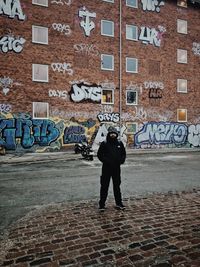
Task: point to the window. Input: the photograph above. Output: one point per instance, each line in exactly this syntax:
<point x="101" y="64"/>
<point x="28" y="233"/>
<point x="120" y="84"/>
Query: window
<point x="131" y="127"/>
<point x="131" y="65"/>
<point x="182" y="86"/>
<point x="107" y="62"/>
<point x="182" y="3"/>
<point x="40" y="2"/>
<point x="39" y="35"/>
<point x="181" y="56"/>
<point x="107" y="96"/>
<point x="40" y="110"/>
<point x="107" y="28"/>
<point x="131" y="32"/>
<point x="181" y="115"/>
<point x="131" y="97"/>
<point x="111" y="1"/>
<point x="40" y="73"/>
<point x="182" y="26"/>
<point x="132" y="3"/>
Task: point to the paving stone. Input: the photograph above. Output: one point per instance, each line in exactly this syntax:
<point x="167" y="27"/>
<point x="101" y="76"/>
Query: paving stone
<point x="158" y="224"/>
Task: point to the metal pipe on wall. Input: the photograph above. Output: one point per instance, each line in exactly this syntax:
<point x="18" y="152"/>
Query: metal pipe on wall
<point x="120" y="65"/>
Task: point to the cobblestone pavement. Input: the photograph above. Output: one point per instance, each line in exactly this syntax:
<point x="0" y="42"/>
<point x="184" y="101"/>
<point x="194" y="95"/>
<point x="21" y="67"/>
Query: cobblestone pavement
<point x="159" y="230"/>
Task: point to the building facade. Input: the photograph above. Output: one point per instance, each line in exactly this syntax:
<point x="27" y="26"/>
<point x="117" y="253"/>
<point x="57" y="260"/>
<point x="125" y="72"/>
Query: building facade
<point x="70" y="69"/>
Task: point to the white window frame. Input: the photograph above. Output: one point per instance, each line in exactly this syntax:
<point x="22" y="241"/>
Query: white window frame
<point x="102" y="55"/>
<point x="136" y="102"/>
<point x="33" y="35"/>
<point x="179" y="22"/>
<point x="110" y="1"/>
<point x="34" y="111"/>
<point x="33" y="73"/>
<point x="136" y="6"/>
<point x="131" y="58"/>
<point x="107" y="103"/>
<point x="34" y="2"/>
<point x="178" y="114"/>
<point x="131" y="123"/>
<point x="105" y="34"/>
<point x="179" y="81"/>
<point x="178" y="56"/>
<point x="132" y="26"/>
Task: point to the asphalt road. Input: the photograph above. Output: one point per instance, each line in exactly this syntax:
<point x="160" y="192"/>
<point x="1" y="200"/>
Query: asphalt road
<point x="27" y="186"/>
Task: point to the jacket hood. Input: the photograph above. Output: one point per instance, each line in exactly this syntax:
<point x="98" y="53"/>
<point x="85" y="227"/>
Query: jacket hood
<point x="111" y="129"/>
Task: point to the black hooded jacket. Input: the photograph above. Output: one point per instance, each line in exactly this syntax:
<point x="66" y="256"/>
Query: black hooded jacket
<point x="111" y="152"/>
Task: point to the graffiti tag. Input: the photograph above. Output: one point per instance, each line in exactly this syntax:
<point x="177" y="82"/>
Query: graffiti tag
<point x="80" y="92"/>
<point x="29" y="131"/>
<point x="11" y="8"/>
<point x="151" y="35"/>
<point x="152" y="5"/>
<point x="63" y="28"/>
<point x="194" y="135"/>
<point x="161" y="133"/>
<point x="88" y="49"/>
<point x="5" y="108"/>
<point x="62" y="2"/>
<point x="109" y="117"/>
<point x="62" y="67"/>
<point x="156" y="85"/>
<point x="58" y="93"/>
<point x="9" y="43"/>
<point x="74" y="134"/>
<point x="86" y="24"/>
<point x="196" y="48"/>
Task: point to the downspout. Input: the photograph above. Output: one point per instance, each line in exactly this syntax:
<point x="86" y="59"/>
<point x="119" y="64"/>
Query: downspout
<point x="120" y="65"/>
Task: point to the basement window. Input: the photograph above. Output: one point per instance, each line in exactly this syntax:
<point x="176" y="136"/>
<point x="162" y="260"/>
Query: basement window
<point x="40" y="73"/>
<point x="182" y="115"/>
<point x="182" y="56"/>
<point x="182" y="26"/>
<point x="40" y="110"/>
<point x="181" y="86"/>
<point x="39" y="35"/>
<point x="132" y="3"/>
<point x="107" y="96"/>
<point x="40" y="2"/>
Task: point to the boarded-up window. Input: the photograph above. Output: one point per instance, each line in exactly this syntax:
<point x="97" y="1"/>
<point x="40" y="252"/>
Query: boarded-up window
<point x="40" y="73"/>
<point x="39" y="34"/>
<point x="40" y="110"/>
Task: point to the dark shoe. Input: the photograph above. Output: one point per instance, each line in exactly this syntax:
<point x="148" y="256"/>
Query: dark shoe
<point x="120" y="207"/>
<point x="102" y="208"/>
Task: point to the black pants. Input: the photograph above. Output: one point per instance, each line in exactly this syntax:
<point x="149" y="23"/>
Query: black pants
<point x="107" y="173"/>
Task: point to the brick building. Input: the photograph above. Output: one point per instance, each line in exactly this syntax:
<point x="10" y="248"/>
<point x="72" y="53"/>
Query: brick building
<point x="69" y="69"/>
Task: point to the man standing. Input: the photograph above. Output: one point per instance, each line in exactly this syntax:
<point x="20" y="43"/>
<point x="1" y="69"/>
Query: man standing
<point x="112" y="154"/>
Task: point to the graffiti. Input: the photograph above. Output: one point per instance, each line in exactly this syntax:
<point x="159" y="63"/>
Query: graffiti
<point x="5" y="108"/>
<point x="9" y="43"/>
<point x="62" y="2"/>
<point x="152" y="5"/>
<point x="74" y="134"/>
<point x="140" y="115"/>
<point x="135" y="87"/>
<point x="106" y="108"/>
<point x="73" y="114"/>
<point x="29" y="131"/>
<point x="154" y="115"/>
<point x="86" y="24"/>
<point x="196" y="48"/>
<point x="11" y="8"/>
<point x="88" y="49"/>
<point x="63" y="28"/>
<point x="58" y="93"/>
<point x="155" y="85"/>
<point x="109" y="117"/>
<point x="80" y="92"/>
<point x="161" y="133"/>
<point x="155" y="93"/>
<point x="151" y="35"/>
<point x="194" y="135"/>
<point x="62" y="67"/>
<point x="88" y="124"/>
<point x="107" y="85"/>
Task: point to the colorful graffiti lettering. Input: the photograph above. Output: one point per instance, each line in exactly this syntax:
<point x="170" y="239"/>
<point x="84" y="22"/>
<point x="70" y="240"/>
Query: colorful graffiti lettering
<point x="161" y="133"/>
<point x="11" y="8"/>
<point x="74" y="134"/>
<point x="29" y="131"/>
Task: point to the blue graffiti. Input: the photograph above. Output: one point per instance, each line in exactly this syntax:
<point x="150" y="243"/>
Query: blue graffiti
<point x="161" y="133"/>
<point x="28" y="131"/>
<point x="74" y="134"/>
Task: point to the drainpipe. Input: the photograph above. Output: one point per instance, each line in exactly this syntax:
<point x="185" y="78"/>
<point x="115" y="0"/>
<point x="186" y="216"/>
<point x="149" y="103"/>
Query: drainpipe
<point x="120" y="65"/>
